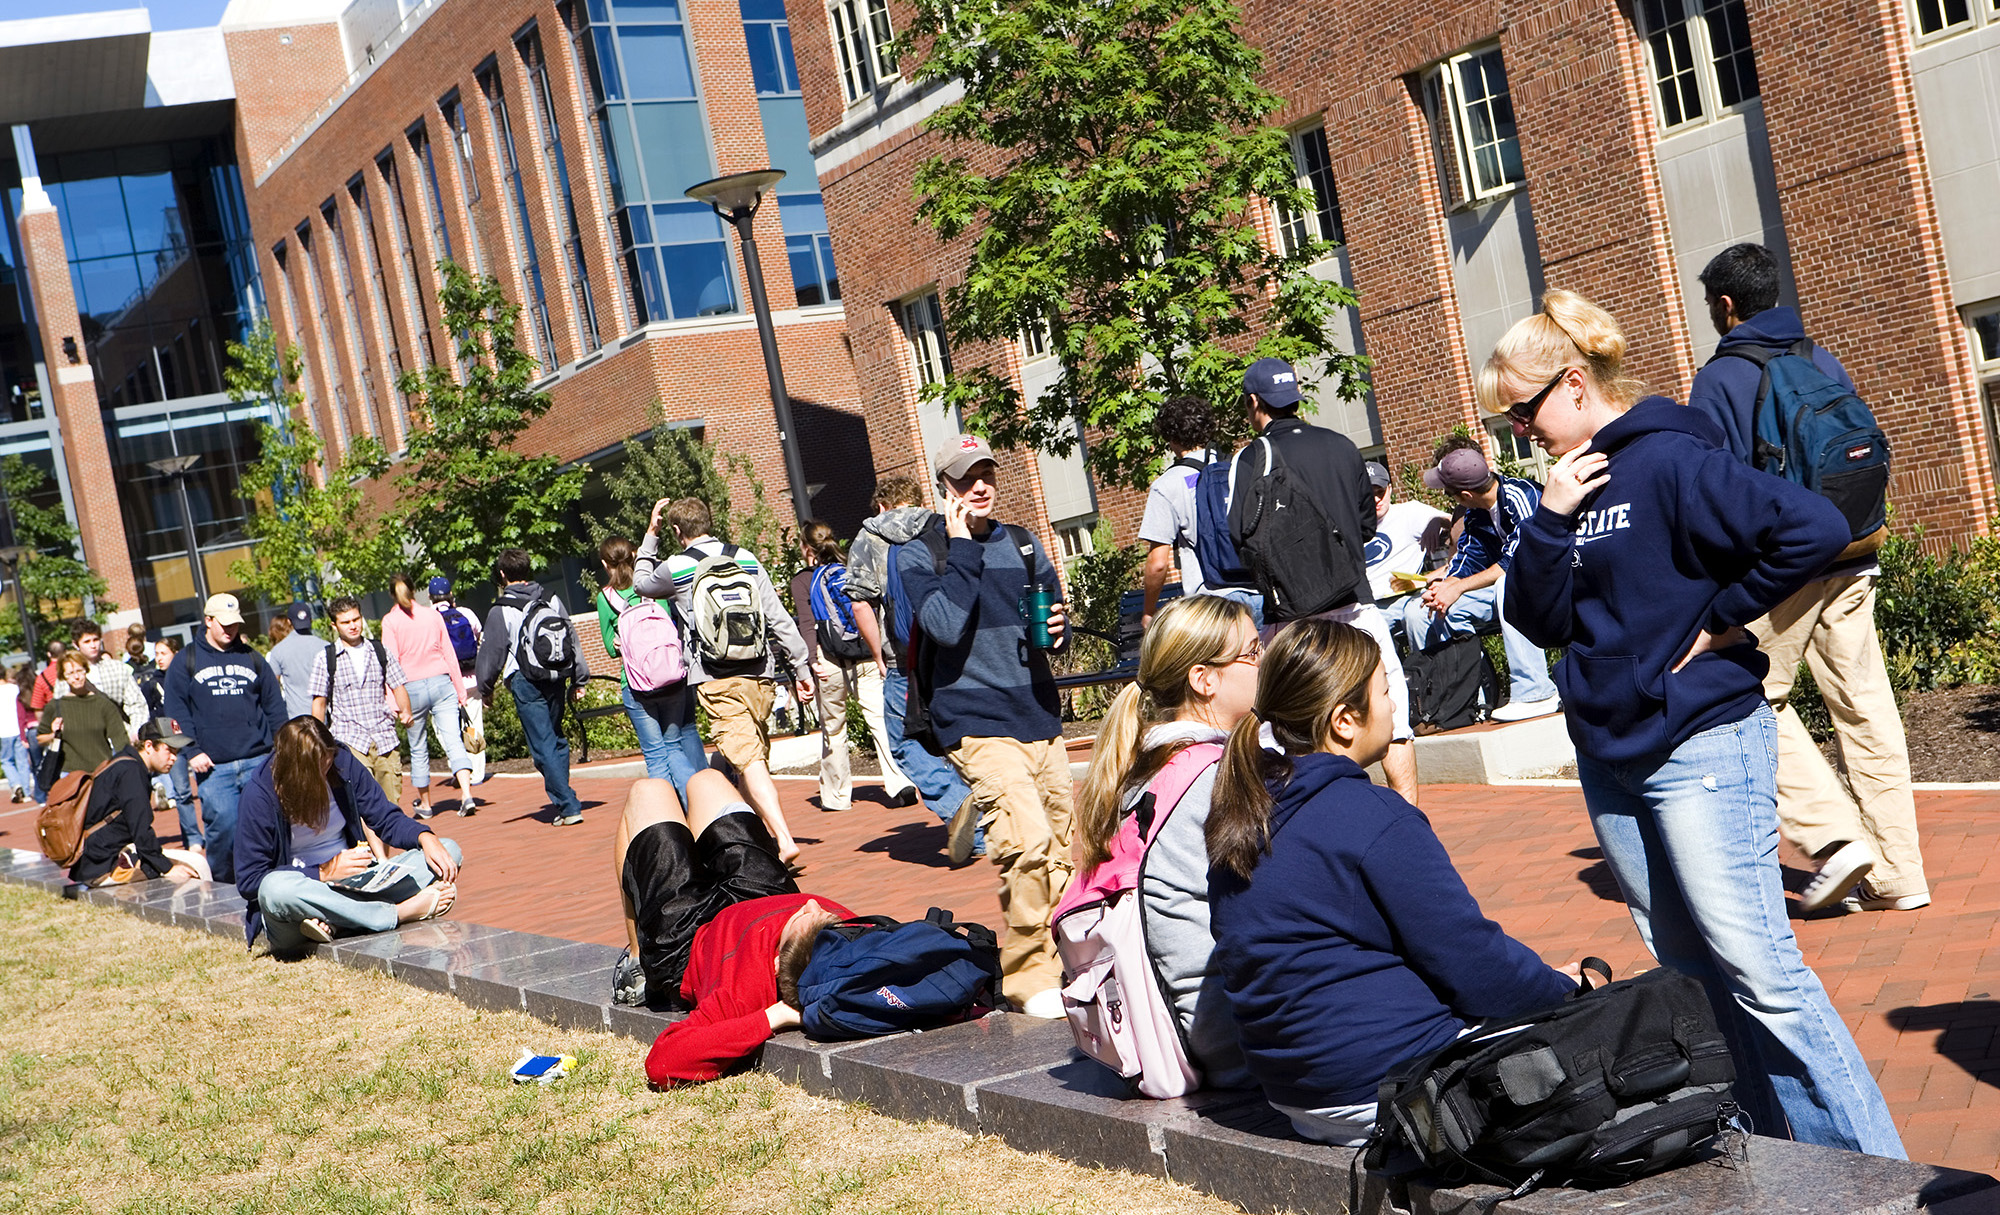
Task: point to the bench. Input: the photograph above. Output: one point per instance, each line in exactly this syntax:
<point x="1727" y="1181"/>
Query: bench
<point x="584" y="716"/>
<point x="1124" y="646"/>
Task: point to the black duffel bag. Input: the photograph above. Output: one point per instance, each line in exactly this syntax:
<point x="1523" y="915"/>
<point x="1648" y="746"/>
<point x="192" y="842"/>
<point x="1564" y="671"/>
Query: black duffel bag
<point x="1619" y="1081"/>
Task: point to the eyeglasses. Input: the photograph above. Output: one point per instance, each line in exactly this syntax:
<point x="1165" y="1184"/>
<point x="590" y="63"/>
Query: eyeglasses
<point x="1250" y="654"/>
<point x="1523" y="412"/>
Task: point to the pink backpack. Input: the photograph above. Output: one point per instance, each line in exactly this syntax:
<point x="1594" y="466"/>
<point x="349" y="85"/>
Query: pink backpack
<point x="1117" y="1010"/>
<point x="649" y="644"/>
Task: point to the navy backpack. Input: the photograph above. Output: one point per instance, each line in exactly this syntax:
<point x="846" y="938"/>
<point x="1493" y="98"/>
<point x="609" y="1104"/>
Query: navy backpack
<point x="1221" y="566"/>
<point x="871" y="976"/>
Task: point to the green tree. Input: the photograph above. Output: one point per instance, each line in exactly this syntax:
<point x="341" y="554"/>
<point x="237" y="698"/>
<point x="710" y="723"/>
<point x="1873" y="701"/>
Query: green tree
<point x="307" y="539"/>
<point x="1107" y="159"/>
<point x="464" y="493"/>
<point x="51" y="579"/>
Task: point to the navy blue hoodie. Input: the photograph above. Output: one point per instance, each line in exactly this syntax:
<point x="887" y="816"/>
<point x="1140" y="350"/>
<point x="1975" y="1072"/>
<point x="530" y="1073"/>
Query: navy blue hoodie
<point x="1725" y="390"/>
<point x="228" y="701"/>
<point x="1355" y="943"/>
<point x="1682" y="537"/>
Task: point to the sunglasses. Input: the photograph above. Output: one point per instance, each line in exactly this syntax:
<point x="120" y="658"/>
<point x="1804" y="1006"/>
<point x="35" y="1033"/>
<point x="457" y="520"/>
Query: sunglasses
<point x="1523" y="412"/>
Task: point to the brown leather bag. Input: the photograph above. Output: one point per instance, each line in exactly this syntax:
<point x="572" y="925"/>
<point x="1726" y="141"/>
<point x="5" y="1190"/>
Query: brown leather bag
<point x="60" y="825"/>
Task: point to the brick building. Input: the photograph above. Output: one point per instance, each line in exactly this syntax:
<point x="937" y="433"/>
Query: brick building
<point x="1474" y="158"/>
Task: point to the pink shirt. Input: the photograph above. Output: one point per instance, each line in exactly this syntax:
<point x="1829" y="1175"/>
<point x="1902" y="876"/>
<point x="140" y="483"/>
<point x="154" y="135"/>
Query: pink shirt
<point x="418" y="641"/>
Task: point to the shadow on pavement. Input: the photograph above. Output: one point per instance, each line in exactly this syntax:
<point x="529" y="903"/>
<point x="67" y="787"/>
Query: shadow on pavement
<point x="1966" y="1033"/>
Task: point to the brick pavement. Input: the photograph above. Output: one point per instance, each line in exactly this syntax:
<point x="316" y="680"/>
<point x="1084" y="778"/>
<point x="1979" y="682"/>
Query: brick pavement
<point x="1917" y="988"/>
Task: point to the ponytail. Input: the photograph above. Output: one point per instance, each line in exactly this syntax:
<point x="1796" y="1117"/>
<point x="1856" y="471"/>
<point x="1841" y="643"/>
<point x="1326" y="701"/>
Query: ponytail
<point x="1239" y="812"/>
<point x="1100" y="802"/>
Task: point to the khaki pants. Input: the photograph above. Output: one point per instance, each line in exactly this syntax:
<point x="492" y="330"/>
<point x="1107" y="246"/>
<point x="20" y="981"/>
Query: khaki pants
<point x="1831" y="624"/>
<point x="739" y="717"/>
<point x="834" y="683"/>
<point x="1021" y="791"/>
<point x="387" y="769"/>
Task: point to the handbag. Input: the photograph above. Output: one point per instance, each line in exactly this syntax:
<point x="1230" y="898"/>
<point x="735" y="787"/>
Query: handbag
<point x="51" y="768"/>
<point x="475" y="742"/>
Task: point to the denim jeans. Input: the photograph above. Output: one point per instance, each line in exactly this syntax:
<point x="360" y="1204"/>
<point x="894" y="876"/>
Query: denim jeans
<point x="1692" y="838"/>
<point x="14" y="758"/>
<point x="173" y="787"/>
<point x="1243" y="595"/>
<point x="540" y="710"/>
<point x="288" y="896"/>
<point x="1527" y="666"/>
<point x="221" y="788"/>
<point x="668" y="737"/>
<point x="942" y="787"/>
<point x="434" y="700"/>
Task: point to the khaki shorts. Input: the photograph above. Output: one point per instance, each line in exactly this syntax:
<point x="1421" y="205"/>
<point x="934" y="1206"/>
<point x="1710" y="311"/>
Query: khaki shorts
<point x="386" y="769"/>
<point x="739" y="717"/>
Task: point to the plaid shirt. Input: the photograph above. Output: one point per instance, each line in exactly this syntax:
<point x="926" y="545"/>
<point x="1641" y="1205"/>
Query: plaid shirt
<point x="359" y="710"/>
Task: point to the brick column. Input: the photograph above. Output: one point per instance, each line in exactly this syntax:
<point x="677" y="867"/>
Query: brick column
<point x="93" y="485"/>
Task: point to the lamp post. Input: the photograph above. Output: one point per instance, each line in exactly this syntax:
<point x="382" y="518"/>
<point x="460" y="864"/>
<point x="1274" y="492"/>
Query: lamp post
<point x="177" y="467"/>
<point x="736" y="198"/>
<point x="11" y="557"/>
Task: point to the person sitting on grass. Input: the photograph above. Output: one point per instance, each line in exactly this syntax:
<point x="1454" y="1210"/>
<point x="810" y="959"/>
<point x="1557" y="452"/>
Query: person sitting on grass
<point x="713" y="922"/>
<point x="313" y="816"/>
<point x="123" y="848"/>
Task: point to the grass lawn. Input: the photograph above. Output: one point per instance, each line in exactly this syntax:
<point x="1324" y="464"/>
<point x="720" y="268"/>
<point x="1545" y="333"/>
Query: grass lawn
<point x="151" y="1069"/>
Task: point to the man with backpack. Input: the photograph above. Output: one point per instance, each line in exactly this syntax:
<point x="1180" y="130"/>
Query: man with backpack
<point x="732" y="613"/>
<point x="1186" y="425"/>
<point x="461" y="626"/>
<point x="113" y="815"/>
<point x="529" y="642"/>
<point x="222" y="693"/>
<point x="1764" y="373"/>
<point x="354" y="679"/>
<point x="1301" y="511"/>
<point x="843" y="666"/>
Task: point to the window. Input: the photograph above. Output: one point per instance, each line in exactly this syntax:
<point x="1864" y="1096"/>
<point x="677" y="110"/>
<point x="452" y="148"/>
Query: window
<point x="1473" y="121"/>
<point x="1035" y="342"/>
<point x="809" y="248"/>
<point x="379" y="295"/>
<point x="1076" y="541"/>
<point x="468" y="177"/>
<point x="1700" y="52"/>
<point x="405" y="245"/>
<point x="1986" y="339"/>
<point x="1315" y="166"/>
<point x="1952" y="16"/>
<point x="769" y="36"/>
<point x="315" y="315"/>
<point x="420" y="144"/>
<point x="297" y="318"/>
<point x="537" y="302"/>
<point x="861" y="38"/>
<point x="562" y="202"/>
<point x="1984" y="323"/>
<point x="350" y="312"/>
<point x="1517" y="456"/>
<point x="923" y="321"/>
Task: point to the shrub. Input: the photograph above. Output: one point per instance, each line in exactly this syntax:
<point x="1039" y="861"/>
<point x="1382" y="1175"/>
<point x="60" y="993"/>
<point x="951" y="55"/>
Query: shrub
<point x="1926" y="609"/>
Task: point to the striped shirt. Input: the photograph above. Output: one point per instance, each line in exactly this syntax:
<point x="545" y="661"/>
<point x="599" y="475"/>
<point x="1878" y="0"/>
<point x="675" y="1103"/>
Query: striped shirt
<point x="358" y="710"/>
<point x="1490" y="535"/>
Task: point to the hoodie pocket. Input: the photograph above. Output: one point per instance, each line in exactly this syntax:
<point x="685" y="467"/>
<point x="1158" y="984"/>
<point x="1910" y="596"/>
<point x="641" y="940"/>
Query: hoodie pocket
<point x="1606" y="688"/>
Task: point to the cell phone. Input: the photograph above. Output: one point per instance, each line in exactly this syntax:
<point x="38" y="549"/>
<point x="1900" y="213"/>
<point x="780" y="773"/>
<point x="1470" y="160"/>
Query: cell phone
<point x="541" y="1069"/>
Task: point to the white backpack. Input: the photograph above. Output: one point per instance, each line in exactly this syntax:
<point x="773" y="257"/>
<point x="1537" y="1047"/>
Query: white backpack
<point x="648" y="644"/>
<point x="726" y="613"/>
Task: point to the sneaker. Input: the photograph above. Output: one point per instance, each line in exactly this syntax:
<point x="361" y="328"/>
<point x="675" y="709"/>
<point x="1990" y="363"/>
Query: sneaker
<point x="1522" y="710"/>
<point x="907" y="797"/>
<point x="1048" y="1005"/>
<point x="568" y="820"/>
<point x="628" y="982"/>
<point x="19" y="796"/>
<point x="1841" y="864"/>
<point x="421" y="810"/>
<point x="468" y="807"/>
<point x="1866" y="902"/>
<point x="958" y="836"/>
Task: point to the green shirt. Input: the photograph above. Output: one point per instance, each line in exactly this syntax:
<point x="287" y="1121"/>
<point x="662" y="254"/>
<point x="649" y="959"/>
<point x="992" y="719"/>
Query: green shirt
<point x="607" y="620"/>
<point x="93" y="729"/>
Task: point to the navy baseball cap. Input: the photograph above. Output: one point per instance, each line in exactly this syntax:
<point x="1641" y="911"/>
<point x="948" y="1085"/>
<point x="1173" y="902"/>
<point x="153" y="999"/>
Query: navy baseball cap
<point x="301" y="616"/>
<point x="1274" y="381"/>
<point x="440" y="587"/>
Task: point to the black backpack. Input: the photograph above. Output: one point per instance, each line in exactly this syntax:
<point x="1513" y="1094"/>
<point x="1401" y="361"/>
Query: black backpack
<point x="542" y="650"/>
<point x="1616" y="1082"/>
<point x="1301" y="561"/>
<point x="1452" y="686"/>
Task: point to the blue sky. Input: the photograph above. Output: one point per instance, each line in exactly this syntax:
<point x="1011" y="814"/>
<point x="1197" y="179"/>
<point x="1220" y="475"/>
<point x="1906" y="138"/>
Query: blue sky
<point x="167" y="14"/>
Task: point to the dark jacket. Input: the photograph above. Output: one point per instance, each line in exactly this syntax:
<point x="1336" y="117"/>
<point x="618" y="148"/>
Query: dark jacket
<point x="1725" y="389"/>
<point x="503" y="628"/>
<point x="122" y="799"/>
<point x="1355" y="943"/>
<point x="264" y="834"/>
<point x="1330" y="467"/>
<point x="228" y="701"/>
<point x="1682" y="537"/>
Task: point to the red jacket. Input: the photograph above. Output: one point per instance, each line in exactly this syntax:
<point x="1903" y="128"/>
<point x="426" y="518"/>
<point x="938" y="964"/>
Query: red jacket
<point x="731" y="979"/>
<point x="45" y="686"/>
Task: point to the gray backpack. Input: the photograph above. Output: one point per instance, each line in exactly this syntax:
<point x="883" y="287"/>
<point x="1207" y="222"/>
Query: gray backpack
<point x="726" y="614"/>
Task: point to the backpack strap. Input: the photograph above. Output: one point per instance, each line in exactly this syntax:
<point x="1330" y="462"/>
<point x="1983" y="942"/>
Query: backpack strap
<point x="1171" y="783"/>
<point x="1751" y="352"/>
<point x="1188" y="462"/>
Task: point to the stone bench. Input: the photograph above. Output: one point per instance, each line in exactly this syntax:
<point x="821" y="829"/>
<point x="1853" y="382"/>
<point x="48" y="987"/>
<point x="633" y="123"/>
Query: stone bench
<point x="1020" y="1080"/>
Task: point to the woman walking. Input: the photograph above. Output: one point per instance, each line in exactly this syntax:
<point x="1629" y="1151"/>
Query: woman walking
<point x="414" y="635"/>
<point x="663" y="718"/>
<point x="821" y="588"/>
<point x="1651" y="550"/>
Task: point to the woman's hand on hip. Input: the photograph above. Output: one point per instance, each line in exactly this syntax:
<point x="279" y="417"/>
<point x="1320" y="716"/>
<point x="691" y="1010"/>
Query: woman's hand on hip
<point x="1706" y="642"/>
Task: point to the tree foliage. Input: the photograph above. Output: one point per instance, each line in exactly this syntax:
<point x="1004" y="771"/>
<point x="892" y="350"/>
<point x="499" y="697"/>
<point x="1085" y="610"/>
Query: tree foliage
<point x="52" y="581"/>
<point x="464" y="492"/>
<point x="1109" y="156"/>
<point x="307" y="540"/>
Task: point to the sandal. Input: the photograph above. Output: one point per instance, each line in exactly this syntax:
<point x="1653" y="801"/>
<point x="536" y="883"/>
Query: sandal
<point x="446" y="895"/>
<point x="316" y="930"/>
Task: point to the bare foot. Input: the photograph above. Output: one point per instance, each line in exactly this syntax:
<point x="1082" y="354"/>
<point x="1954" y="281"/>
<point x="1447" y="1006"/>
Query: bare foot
<point x="788" y="850"/>
<point x="427" y="904"/>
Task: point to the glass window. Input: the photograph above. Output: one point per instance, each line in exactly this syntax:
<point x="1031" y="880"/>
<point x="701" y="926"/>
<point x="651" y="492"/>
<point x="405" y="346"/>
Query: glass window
<point x="656" y="61"/>
<point x="861" y="40"/>
<point x="542" y="336"/>
<point x="350" y="313"/>
<point x="468" y="174"/>
<point x="1936" y="15"/>
<point x="1315" y="168"/>
<point x="555" y="179"/>
<point x="316" y="317"/>
<point x="1669" y="42"/>
<point x="923" y="324"/>
<point x="404" y="241"/>
<point x="379" y="297"/>
<point x="673" y="144"/>
<point x="420" y="143"/>
<point x="1700" y="54"/>
<point x="769" y="38"/>
<point x="1729" y="43"/>
<point x="1485" y="114"/>
<point x="1986" y="337"/>
<point x="809" y="249"/>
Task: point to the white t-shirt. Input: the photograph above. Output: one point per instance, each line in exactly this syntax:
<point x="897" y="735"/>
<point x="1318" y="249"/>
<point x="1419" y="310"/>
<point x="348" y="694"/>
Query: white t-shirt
<point x="10" y="712"/>
<point x="1169" y="519"/>
<point x="1398" y="546"/>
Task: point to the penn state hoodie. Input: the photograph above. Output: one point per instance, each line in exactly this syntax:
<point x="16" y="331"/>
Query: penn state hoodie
<point x="1681" y="537"/>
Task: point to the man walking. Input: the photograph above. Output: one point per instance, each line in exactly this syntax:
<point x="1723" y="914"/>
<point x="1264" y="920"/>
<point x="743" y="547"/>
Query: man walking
<point x="461" y="625"/>
<point x="555" y="672"/>
<point x="223" y="695"/>
<point x="993" y="704"/>
<point x="1186" y="425"/>
<point x="109" y="673"/>
<point x="1328" y="468"/>
<point x="1867" y="828"/>
<point x="353" y="681"/>
<point x="293" y="660"/>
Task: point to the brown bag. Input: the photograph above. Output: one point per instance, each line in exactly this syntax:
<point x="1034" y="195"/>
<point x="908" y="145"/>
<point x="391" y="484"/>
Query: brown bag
<point x="60" y="826"/>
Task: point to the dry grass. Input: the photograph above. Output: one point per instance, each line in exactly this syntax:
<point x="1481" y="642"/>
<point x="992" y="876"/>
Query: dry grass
<point x="148" y="1069"/>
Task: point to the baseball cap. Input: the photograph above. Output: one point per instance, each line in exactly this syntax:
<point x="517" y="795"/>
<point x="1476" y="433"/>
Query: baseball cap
<point x="161" y="729"/>
<point x="1464" y="469"/>
<point x="224" y="608"/>
<point x="301" y="616"/>
<point x="960" y="453"/>
<point x="1378" y="476"/>
<point x="1274" y="381"/>
<point x="440" y="587"/>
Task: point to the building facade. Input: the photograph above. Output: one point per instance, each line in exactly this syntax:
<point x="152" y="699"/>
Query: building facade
<point x="1474" y="159"/>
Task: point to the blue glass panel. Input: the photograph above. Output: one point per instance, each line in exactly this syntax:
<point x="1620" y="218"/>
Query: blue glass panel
<point x="805" y="270"/>
<point x="762" y="10"/>
<point x="656" y="61"/>
<point x="785" y="139"/>
<point x="93" y="217"/>
<point x="791" y="64"/>
<point x="765" y="74"/>
<point x="649" y="280"/>
<point x="598" y="13"/>
<point x="154" y="211"/>
<point x="673" y="142"/>
<point x="801" y="213"/>
<point x="607" y="64"/>
<point x="640" y="227"/>
<point x="105" y="285"/>
<point x="648" y="10"/>
<point x="825" y="243"/>
<point x="698" y="279"/>
<point x="683" y="222"/>
<point x="623" y="156"/>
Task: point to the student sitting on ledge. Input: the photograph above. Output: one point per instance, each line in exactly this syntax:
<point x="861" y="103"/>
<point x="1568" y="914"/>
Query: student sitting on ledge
<point x="1346" y="940"/>
<point x="314" y="815"/>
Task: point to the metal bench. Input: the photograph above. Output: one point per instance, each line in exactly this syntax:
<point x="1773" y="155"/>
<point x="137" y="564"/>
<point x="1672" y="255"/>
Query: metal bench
<point x="583" y="717"/>
<point x="1124" y="646"/>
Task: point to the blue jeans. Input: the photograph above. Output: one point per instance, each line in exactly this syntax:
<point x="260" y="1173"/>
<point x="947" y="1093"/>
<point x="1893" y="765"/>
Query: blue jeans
<point x="540" y="709"/>
<point x="14" y="758"/>
<point x="434" y="701"/>
<point x="668" y="737"/>
<point x="221" y="788"/>
<point x="1243" y="595"/>
<point x="942" y="787"/>
<point x="288" y="896"/>
<point x="1527" y="666"/>
<point x="1692" y="837"/>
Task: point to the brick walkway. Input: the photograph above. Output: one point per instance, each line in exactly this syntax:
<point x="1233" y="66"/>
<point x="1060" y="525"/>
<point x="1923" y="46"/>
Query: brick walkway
<point x="1917" y="988"/>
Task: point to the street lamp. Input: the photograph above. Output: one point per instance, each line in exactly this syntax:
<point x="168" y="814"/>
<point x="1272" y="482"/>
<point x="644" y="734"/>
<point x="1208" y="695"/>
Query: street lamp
<point x="735" y="198"/>
<point x="11" y="557"/>
<point x="177" y="467"/>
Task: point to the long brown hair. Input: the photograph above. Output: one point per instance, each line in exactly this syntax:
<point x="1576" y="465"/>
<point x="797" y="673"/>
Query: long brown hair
<point x="819" y="539"/>
<point x="619" y="558"/>
<point x="404" y="590"/>
<point x="1308" y="673"/>
<point x="299" y="758"/>
<point x="1187" y="633"/>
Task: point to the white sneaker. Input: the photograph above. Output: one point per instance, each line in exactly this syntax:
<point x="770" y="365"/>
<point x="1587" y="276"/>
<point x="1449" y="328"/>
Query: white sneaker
<point x="1847" y="864"/>
<point x="1048" y="1005"/>
<point x="1863" y="902"/>
<point x="1522" y="710"/>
